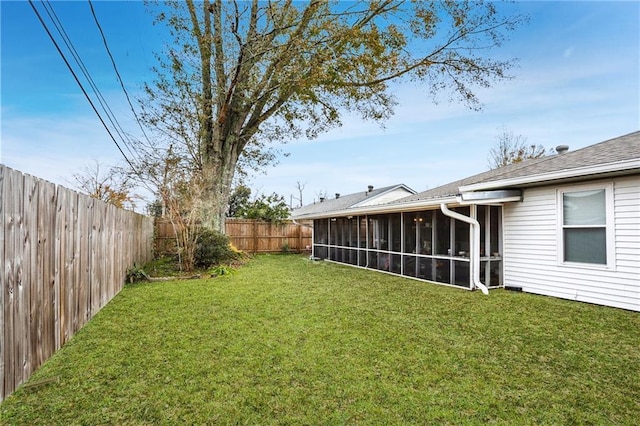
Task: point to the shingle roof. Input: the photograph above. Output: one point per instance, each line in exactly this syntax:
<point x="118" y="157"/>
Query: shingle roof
<point x="619" y="149"/>
<point x="623" y="152"/>
<point x="341" y="203"/>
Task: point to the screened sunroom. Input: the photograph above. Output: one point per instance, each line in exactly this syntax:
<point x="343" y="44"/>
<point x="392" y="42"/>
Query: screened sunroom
<point x="428" y="244"/>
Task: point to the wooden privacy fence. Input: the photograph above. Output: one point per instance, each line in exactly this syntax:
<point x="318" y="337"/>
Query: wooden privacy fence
<point x="64" y="256"/>
<point x="253" y="236"/>
<point x="256" y="236"/>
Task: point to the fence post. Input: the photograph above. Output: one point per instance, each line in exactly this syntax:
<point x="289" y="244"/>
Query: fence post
<point x="255" y="236"/>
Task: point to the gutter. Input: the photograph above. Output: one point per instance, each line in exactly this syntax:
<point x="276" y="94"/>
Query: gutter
<point x="474" y="239"/>
<point x="540" y="178"/>
<point x="392" y="207"/>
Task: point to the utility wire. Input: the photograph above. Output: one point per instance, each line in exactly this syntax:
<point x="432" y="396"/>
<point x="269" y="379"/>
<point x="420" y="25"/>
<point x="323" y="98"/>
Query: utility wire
<point x="113" y="62"/>
<point x="105" y="106"/>
<point x="44" y="25"/>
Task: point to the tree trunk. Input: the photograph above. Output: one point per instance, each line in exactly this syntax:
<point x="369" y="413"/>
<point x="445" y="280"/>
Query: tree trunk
<point x="218" y="181"/>
<point x="238" y="65"/>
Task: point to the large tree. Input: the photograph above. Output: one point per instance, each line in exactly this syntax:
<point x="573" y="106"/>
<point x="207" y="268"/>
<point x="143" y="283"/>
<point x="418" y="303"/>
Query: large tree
<point x="242" y="75"/>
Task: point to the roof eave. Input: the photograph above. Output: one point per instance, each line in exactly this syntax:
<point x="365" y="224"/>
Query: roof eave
<point x="542" y="178"/>
<point x="383" y="208"/>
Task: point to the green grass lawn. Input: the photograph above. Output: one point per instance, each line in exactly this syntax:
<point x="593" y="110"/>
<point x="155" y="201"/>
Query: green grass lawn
<point x="288" y="341"/>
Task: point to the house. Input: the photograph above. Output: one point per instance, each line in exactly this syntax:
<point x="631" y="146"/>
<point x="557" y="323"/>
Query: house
<point x="369" y="197"/>
<point x="565" y="225"/>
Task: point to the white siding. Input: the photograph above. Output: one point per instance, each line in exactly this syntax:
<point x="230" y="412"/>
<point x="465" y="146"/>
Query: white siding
<point x="531" y="250"/>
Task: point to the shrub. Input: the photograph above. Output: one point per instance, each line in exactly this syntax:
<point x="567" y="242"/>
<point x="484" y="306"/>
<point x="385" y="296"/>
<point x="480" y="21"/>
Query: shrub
<point x="212" y="249"/>
<point x="220" y="270"/>
<point x="135" y="274"/>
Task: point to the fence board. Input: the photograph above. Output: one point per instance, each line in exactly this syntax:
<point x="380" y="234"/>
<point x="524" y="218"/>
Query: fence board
<point x="85" y="207"/>
<point x="247" y="235"/>
<point x="46" y="265"/>
<point x="71" y="266"/>
<point x="119" y="263"/>
<point x="96" y="268"/>
<point x="63" y="256"/>
<point x="29" y="305"/>
<point x="18" y="293"/>
<point x="12" y="207"/>
<point x="39" y="293"/>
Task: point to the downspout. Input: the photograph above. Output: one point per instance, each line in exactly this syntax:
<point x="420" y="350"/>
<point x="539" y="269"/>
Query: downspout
<point x="474" y="236"/>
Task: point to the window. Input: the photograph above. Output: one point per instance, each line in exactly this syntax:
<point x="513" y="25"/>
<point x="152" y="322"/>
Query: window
<point x="585" y="225"/>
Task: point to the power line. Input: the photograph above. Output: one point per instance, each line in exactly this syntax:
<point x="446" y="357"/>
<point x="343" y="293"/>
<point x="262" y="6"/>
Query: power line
<point x="113" y="62"/>
<point x="44" y="25"/>
<point x="105" y="106"/>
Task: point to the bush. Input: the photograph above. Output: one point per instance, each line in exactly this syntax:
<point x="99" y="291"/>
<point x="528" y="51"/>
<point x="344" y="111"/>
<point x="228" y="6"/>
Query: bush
<point x="220" y="270"/>
<point x="136" y="274"/>
<point x="212" y="249"/>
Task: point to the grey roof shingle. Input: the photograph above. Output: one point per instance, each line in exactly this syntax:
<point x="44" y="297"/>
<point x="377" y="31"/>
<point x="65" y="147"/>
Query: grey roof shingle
<point x="622" y="148"/>
<point x="341" y="203"/>
<point x="531" y="172"/>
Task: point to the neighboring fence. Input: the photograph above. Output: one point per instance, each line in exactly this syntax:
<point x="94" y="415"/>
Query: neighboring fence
<point x="255" y="236"/>
<point x="64" y="256"/>
<point x="252" y="236"/>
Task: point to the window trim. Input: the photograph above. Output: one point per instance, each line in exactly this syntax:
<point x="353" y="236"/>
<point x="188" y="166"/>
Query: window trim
<point x="609" y="225"/>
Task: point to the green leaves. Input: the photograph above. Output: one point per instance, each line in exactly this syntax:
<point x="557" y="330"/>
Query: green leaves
<point x="270" y="208"/>
<point x="272" y="59"/>
<point x="241" y="76"/>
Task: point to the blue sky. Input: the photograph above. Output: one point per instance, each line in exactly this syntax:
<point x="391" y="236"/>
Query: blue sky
<point x="577" y="83"/>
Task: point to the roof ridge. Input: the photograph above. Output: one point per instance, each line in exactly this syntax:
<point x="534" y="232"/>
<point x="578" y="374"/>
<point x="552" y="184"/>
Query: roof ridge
<point x="347" y="200"/>
<point x="611" y="151"/>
